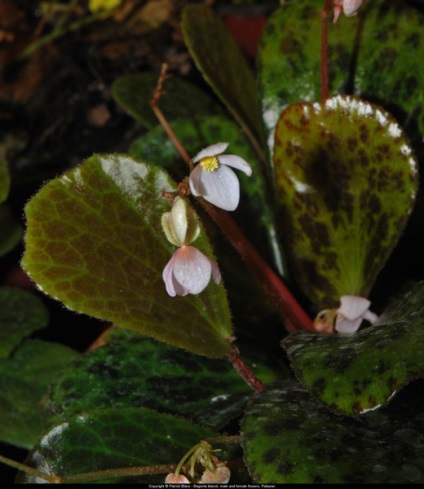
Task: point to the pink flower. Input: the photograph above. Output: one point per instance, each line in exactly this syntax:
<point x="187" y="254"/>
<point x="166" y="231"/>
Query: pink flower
<point x="212" y="178"/>
<point x="176" y="479"/>
<point x="348" y="7"/>
<point x="189" y="272"/>
<point x="352" y="311"/>
<point x="221" y="475"/>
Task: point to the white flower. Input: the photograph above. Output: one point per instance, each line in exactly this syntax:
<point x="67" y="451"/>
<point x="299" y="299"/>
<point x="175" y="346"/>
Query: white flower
<point x="352" y="311"/>
<point x="212" y="178"/>
<point x="189" y="272"/>
<point x="348" y="7"/>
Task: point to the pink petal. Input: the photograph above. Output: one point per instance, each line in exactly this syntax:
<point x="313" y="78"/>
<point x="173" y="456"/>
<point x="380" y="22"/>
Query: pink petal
<point x="346" y="326"/>
<point x="236" y="162"/>
<point x="213" y="150"/>
<point x="216" y="273"/>
<point x="167" y="276"/>
<point x="176" y="479"/>
<point x="192" y="269"/>
<point x="353" y="306"/>
<point x="220" y="187"/>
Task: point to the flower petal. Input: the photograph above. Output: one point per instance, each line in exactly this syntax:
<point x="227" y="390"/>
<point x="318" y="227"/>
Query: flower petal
<point x="216" y="273"/>
<point x="167" y="276"/>
<point x="350" y="7"/>
<point x="176" y="479"/>
<point x="236" y="162"/>
<point x="192" y="269"/>
<point x="220" y="187"/>
<point x="346" y="326"/>
<point x="353" y="306"/>
<point x="213" y="150"/>
<point x="370" y="316"/>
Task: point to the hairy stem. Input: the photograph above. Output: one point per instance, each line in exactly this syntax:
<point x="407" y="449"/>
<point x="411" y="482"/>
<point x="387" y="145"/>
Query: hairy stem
<point x="245" y="371"/>
<point x="295" y="317"/>
<point x="51" y="479"/>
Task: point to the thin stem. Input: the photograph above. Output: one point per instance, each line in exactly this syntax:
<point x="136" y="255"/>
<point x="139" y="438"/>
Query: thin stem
<point x="324" y="49"/>
<point x="51" y="479"/>
<point x="245" y="371"/>
<point x="120" y="472"/>
<point x="296" y="317"/>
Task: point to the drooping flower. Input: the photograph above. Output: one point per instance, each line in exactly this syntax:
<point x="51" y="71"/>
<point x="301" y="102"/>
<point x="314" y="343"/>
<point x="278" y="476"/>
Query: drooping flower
<point x="352" y="311"/>
<point x="221" y="475"/>
<point x="188" y="271"/>
<point x="212" y="178"/>
<point x="348" y="7"/>
<point x="176" y="479"/>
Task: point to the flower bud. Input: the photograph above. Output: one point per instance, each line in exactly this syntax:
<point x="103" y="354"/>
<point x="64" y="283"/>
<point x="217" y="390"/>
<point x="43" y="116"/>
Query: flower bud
<point x="176" y="479"/>
<point x="181" y="225"/>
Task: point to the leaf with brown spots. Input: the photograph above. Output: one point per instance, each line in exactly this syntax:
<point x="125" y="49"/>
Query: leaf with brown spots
<point x="359" y="373"/>
<point x="346" y="181"/>
<point x="288" y="438"/>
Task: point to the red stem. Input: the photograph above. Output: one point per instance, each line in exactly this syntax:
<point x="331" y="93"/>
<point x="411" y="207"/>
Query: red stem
<point x="324" y="49"/>
<point x="245" y="371"/>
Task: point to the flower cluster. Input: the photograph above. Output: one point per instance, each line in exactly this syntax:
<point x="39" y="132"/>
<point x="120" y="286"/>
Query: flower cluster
<point x="189" y="271"/>
<point x="348" y="7"/>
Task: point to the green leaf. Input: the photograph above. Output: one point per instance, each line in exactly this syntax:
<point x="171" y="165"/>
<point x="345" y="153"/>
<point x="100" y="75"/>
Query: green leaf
<point x="134" y="371"/>
<point x="289" y="439"/>
<point x="110" y="439"/>
<point x="4" y="180"/>
<point x="357" y="373"/>
<point x="94" y="241"/>
<point x="25" y="377"/>
<point x="179" y="98"/>
<point x="373" y="55"/>
<point x="222" y="64"/>
<point x="22" y="313"/>
<point x="346" y="182"/>
<point x="255" y="213"/>
<point x="11" y="230"/>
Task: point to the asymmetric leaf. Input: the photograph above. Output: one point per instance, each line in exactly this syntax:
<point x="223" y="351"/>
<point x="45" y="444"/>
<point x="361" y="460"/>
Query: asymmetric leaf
<point x="346" y="181"/>
<point x="94" y="241"/>
<point x="222" y="64"/>
<point x="289" y="439"/>
<point x="358" y="373"/>
<point x="376" y="55"/>
<point x="135" y="371"/>
<point x="111" y="439"/>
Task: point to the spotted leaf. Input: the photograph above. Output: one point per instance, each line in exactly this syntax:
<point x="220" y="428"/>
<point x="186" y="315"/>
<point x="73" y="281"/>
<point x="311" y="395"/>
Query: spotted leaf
<point x="288" y="438"/>
<point x="359" y="373"/>
<point x="346" y="183"/>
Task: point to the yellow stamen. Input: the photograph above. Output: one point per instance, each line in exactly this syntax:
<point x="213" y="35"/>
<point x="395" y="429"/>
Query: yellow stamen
<point x="209" y="163"/>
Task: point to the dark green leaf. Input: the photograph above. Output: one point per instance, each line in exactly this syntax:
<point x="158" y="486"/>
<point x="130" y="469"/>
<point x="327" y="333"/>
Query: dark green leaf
<point x="94" y="241"/>
<point x="221" y="63"/>
<point x="289" y="439"/>
<point x="134" y="371"/>
<point x="21" y="313"/>
<point x="179" y="99"/>
<point x="254" y="214"/>
<point x="11" y="230"/>
<point x="113" y="438"/>
<point x="25" y="377"/>
<point x="357" y="373"/>
<point x="4" y="180"/>
<point x="346" y="182"/>
<point x="374" y="55"/>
